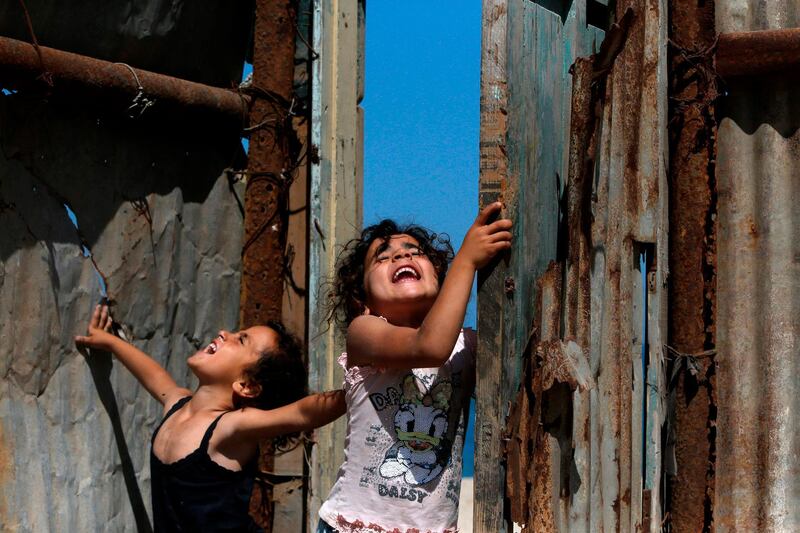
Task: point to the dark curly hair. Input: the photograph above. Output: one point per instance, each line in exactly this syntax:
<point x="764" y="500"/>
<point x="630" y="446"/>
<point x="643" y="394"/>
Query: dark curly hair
<point x="347" y="297"/>
<point x="280" y="372"/>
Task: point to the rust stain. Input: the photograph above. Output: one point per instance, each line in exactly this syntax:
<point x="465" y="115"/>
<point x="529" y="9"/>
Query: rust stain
<point x="692" y="253"/>
<point x="6" y="468"/>
<point x="529" y="481"/>
<point x="541" y="518"/>
<point x="751" y="227"/>
<point x="270" y="163"/>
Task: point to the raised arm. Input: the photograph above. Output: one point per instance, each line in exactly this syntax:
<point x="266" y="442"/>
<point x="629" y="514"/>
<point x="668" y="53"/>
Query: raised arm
<point x="308" y="413"/>
<point x="150" y="374"/>
<point x="373" y="341"/>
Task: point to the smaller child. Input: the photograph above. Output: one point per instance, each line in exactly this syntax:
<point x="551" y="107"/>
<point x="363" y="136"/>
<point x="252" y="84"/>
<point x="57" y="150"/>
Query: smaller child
<point x="204" y="453"/>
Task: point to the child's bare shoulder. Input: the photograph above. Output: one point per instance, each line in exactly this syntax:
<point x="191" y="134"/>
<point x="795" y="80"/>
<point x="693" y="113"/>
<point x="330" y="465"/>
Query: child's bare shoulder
<point x="174" y="396"/>
<point x="362" y="320"/>
<point x="366" y="325"/>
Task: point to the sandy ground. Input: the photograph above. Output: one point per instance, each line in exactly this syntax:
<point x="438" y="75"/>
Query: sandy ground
<point x="465" y="506"/>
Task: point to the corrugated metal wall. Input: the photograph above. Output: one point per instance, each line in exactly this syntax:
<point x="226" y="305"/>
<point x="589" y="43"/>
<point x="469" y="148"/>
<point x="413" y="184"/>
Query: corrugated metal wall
<point x="163" y="225"/>
<point x="161" y="213"/>
<point x="758" y="295"/>
<point x="582" y="302"/>
<point x="598" y="438"/>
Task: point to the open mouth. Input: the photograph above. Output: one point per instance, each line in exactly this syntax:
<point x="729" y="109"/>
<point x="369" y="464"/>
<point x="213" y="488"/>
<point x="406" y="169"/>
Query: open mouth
<point x="418" y="445"/>
<point x="212" y="348"/>
<point x="406" y="273"/>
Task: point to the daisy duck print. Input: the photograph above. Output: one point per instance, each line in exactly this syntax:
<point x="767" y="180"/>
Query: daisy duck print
<point x="421" y="451"/>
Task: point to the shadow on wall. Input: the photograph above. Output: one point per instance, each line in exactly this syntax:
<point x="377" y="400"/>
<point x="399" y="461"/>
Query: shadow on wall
<point x="199" y="41"/>
<point x="754" y="101"/>
<point x="51" y="156"/>
<point x="100" y="367"/>
<point x="164" y="225"/>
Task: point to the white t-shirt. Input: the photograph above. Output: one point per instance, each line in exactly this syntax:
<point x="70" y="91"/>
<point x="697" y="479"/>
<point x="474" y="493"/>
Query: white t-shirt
<point x="405" y="436"/>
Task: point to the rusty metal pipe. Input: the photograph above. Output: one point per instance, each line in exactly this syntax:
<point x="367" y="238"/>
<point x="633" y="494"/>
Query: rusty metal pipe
<point x="115" y="82"/>
<point x="265" y="218"/>
<point x="757" y="52"/>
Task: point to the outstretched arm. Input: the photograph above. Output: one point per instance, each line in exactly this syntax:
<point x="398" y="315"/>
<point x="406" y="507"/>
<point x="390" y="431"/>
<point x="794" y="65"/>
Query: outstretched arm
<point x="150" y="374"/>
<point x="372" y="341"/>
<point x="308" y="413"/>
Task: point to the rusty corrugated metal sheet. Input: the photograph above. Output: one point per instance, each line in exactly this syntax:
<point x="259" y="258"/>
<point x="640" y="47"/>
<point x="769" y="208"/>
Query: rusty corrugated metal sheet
<point x="758" y="292"/>
<point x="291" y="466"/>
<point x="585" y="433"/>
<point x="630" y="217"/>
<point x="163" y="225"/>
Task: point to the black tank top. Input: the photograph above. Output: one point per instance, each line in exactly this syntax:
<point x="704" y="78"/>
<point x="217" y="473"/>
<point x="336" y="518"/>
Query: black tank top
<point x="196" y="494"/>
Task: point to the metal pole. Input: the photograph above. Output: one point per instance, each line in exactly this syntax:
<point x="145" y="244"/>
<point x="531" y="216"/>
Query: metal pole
<point x="270" y="168"/>
<point x="114" y="83"/>
<point x="269" y="162"/>
<point x="758" y="52"/>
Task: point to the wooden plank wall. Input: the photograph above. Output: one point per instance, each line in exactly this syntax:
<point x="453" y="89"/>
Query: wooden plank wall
<point x="335" y="216"/>
<point x="525" y="104"/>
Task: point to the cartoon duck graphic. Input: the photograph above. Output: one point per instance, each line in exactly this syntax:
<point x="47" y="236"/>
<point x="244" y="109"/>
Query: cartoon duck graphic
<point x="421" y="451"/>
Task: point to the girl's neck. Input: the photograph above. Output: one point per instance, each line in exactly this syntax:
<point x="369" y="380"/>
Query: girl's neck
<point x="212" y="398"/>
<point x="407" y="319"/>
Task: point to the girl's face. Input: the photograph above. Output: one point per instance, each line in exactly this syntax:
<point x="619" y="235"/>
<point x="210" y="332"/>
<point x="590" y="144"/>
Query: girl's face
<point x="227" y="357"/>
<point x="399" y="280"/>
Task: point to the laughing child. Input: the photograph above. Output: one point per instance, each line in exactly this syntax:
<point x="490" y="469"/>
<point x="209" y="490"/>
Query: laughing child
<point x="409" y="374"/>
<point x="204" y="453"/>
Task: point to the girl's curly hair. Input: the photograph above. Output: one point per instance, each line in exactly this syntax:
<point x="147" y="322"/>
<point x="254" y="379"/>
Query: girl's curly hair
<point x="280" y="372"/>
<point x="347" y="297"/>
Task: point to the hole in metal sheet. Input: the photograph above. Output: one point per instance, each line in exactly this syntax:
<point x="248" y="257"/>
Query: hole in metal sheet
<point x="73" y="218"/>
<point x="559" y="7"/>
<point x="598" y="15"/>
<point x="644" y="263"/>
<point x="557" y="415"/>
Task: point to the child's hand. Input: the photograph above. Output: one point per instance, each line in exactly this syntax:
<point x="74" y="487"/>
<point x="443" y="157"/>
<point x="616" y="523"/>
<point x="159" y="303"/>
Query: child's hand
<point x="483" y="241"/>
<point x="99" y="336"/>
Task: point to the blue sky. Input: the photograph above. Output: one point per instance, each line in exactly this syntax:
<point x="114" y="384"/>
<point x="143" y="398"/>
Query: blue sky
<point x="421" y="112"/>
<point x="421" y="121"/>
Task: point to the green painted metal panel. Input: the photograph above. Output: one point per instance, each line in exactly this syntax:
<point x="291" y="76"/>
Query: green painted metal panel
<point x="528" y="49"/>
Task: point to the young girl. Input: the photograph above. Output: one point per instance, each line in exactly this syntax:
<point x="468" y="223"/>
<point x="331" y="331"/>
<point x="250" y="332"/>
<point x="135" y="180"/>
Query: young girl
<point x="409" y="375"/>
<point x="204" y="452"/>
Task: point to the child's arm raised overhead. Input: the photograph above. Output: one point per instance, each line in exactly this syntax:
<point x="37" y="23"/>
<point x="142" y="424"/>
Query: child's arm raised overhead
<point x="150" y="374"/>
<point x="372" y="341"/>
<point x="305" y="414"/>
